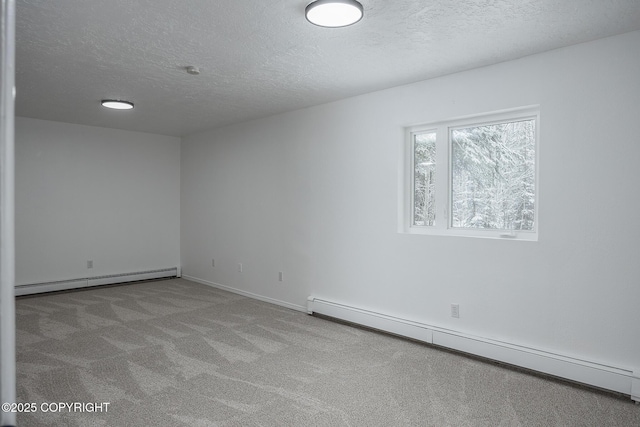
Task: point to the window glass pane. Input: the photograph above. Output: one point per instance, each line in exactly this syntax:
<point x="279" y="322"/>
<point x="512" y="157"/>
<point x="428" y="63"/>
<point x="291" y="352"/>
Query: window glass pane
<point x="424" y="175"/>
<point x="493" y="176"/>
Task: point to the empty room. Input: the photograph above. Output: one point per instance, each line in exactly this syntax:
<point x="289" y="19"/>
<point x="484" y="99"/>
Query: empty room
<point x="327" y="213"/>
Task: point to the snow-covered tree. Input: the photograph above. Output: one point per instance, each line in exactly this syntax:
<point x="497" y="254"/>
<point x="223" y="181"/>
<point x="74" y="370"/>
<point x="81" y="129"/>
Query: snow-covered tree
<point x="493" y="176"/>
<point x="424" y="178"/>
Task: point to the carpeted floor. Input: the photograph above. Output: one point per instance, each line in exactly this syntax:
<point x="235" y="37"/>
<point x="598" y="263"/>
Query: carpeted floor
<point x="177" y="353"/>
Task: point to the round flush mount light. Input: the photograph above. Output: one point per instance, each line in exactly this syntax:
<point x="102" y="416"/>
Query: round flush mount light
<point x="334" y="13"/>
<point x="117" y="104"/>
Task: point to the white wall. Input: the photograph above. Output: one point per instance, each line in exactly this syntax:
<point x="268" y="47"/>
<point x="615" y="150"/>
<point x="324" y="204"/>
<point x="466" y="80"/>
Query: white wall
<point x="88" y="193"/>
<point x="314" y="193"/>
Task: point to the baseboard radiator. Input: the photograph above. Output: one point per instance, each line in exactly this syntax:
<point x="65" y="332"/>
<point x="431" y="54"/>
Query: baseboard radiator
<point x="61" y="285"/>
<point x="617" y="379"/>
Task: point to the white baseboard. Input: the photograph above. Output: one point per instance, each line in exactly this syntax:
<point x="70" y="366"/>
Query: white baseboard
<point x="62" y="285"/>
<point x="382" y="322"/>
<point x="246" y="294"/>
<point x="618" y="379"/>
<point x="635" y="386"/>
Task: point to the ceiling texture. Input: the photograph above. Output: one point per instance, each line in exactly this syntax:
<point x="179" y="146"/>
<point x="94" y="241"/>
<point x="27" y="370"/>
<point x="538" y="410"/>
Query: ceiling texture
<point x="261" y="57"/>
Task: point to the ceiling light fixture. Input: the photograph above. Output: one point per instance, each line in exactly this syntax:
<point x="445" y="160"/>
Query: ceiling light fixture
<point x="334" y="13"/>
<point x="117" y="104"/>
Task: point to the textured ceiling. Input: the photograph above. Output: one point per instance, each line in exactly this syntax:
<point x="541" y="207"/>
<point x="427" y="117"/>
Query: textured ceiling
<point x="259" y="58"/>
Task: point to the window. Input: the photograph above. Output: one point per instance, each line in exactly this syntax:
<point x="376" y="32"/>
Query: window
<point x="424" y="175"/>
<point x="473" y="177"/>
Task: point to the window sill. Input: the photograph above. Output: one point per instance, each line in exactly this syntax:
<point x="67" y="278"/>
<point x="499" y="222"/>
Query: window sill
<point x="526" y="236"/>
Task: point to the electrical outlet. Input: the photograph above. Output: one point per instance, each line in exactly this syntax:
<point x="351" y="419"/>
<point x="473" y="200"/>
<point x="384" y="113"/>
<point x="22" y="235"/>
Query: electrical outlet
<point x="89" y="264"/>
<point x="239" y="267"/>
<point x="455" y="310"/>
<point x="280" y="276"/>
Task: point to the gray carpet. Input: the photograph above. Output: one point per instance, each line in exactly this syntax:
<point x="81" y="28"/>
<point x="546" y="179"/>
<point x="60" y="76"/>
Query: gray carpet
<point x="177" y="353"/>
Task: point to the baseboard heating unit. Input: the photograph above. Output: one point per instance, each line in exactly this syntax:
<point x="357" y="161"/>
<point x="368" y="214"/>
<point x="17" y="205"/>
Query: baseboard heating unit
<point x="617" y="379"/>
<point x="61" y="285"/>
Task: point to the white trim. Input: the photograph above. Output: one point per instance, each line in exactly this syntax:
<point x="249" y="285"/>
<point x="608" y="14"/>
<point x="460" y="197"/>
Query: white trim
<point x="7" y="210"/>
<point x="246" y="293"/>
<point x="635" y="386"/>
<point x="61" y="285"/>
<point x="592" y="373"/>
<point x="379" y="321"/>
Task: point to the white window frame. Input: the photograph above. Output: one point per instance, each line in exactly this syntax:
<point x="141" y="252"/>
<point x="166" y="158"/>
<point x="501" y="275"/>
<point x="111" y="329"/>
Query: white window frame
<point x="443" y="185"/>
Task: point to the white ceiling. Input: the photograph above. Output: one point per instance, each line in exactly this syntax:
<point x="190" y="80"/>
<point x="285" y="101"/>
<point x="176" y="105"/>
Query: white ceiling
<point x="261" y="57"/>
